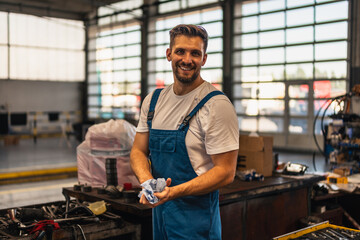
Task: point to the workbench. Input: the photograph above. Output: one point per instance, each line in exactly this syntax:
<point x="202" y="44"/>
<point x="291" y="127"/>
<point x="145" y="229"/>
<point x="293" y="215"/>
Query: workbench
<point x="265" y="209"/>
<point x="249" y="210"/>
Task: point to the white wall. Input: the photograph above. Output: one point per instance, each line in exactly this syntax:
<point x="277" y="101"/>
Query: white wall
<point x="28" y="96"/>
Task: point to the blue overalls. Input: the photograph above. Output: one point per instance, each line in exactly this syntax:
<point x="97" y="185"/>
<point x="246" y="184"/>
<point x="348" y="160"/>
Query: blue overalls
<point x="190" y="217"/>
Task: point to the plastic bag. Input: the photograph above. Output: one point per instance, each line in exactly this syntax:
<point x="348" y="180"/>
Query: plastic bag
<point x="112" y="139"/>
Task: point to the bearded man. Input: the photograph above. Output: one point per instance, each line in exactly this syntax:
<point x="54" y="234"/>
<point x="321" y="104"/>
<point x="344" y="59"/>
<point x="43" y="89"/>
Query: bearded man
<point x="188" y="134"/>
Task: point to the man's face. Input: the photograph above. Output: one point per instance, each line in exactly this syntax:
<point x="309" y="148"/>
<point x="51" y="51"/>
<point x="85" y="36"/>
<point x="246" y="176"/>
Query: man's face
<point x="187" y="56"/>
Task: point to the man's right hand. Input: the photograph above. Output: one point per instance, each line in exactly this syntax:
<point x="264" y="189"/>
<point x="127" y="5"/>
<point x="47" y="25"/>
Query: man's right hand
<point x="163" y="196"/>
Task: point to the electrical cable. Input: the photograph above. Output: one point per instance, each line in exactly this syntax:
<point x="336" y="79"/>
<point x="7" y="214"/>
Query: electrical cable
<point x="314" y="161"/>
<point x="339" y="99"/>
<point x="75" y="232"/>
<point x="2" y="233"/>
<point x="323" y="117"/>
<point x="314" y="134"/>
<point x="324" y="113"/>
<point x="82" y="231"/>
<point x="329" y="102"/>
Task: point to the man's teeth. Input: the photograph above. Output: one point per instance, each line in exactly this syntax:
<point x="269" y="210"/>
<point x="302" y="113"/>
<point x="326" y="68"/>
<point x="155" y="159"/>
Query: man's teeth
<point x="185" y="69"/>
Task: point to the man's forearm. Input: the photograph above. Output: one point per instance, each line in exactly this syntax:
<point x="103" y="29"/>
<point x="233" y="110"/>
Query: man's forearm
<point x="208" y="182"/>
<point x="139" y="157"/>
<point x="220" y="175"/>
<point x="140" y="165"/>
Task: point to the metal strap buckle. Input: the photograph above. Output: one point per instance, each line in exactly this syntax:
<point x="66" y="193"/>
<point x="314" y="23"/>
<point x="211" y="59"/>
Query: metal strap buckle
<point x="150" y="116"/>
<point x="186" y="120"/>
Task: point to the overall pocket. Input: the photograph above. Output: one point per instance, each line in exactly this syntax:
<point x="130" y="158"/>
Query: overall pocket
<point x="162" y="143"/>
<point x="188" y="218"/>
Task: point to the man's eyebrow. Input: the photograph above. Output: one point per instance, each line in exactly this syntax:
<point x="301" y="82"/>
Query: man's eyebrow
<point x="191" y="50"/>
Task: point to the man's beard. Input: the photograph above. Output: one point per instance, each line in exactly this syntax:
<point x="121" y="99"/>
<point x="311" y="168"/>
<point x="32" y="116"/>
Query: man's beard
<point x="186" y="80"/>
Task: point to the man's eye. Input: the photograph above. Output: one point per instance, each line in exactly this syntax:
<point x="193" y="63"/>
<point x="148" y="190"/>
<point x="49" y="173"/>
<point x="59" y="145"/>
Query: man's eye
<point x="196" y="54"/>
<point x="179" y="51"/>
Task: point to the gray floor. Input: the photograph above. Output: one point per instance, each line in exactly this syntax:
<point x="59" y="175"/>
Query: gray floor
<point x="47" y="153"/>
<point x="26" y="194"/>
<point x="54" y="153"/>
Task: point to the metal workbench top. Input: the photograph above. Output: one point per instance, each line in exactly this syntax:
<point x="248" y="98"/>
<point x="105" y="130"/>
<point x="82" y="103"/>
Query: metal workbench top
<point x="236" y="191"/>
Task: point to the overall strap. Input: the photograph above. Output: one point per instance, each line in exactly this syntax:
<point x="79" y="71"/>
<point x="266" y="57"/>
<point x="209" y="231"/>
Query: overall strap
<point x="153" y="102"/>
<point x="185" y="124"/>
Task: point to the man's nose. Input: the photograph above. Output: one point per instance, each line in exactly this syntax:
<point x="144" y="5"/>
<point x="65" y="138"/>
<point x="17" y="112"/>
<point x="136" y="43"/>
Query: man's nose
<point x="187" y="59"/>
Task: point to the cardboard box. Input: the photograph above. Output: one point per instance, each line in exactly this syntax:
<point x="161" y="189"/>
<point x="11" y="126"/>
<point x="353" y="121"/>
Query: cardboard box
<point x="256" y="153"/>
<point x="343" y="171"/>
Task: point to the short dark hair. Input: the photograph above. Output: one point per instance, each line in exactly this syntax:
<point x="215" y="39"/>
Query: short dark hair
<point x="190" y="31"/>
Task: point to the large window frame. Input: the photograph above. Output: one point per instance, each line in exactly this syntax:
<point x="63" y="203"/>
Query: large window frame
<point x="272" y="53"/>
<point x="114" y="62"/>
<point x="41" y="49"/>
<point x="114" y="74"/>
<point x="269" y="96"/>
<point x="159" y="72"/>
<point x="101" y="98"/>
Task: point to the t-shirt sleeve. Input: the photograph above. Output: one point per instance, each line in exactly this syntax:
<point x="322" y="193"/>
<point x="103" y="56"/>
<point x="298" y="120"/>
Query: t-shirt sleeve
<point x="142" y="125"/>
<point x="221" y="127"/>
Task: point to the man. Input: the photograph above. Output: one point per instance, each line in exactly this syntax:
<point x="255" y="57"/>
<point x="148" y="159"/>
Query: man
<point x="188" y="134"/>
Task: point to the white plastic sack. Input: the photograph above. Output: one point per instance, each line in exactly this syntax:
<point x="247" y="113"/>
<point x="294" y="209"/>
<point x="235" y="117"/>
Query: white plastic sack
<point x="112" y="139"/>
<point x="111" y="135"/>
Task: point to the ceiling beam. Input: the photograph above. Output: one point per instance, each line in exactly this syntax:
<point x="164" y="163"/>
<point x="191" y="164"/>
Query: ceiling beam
<point x="42" y="11"/>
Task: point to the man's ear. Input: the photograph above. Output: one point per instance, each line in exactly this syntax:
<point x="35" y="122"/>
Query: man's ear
<point x="168" y="54"/>
<point x="204" y="59"/>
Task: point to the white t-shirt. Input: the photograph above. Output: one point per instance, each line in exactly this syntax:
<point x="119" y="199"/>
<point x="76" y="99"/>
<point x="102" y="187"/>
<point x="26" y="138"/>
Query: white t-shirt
<point x="214" y="128"/>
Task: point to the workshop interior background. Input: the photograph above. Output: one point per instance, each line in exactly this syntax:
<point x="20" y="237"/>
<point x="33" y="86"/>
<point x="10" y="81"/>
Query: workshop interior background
<point x="291" y="68"/>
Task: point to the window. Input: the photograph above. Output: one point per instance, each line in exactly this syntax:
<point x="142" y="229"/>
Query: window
<point x="3" y="46"/>
<point x="282" y="67"/>
<point x="114" y="63"/>
<point x="159" y="69"/>
<point x="120" y="11"/>
<point x="37" y="48"/>
<point x="176" y="5"/>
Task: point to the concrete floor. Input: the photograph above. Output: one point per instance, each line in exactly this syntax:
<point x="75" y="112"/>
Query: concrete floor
<point x="46" y="153"/>
<point x="49" y="153"/>
<point x="26" y="194"/>
<point x="55" y="153"/>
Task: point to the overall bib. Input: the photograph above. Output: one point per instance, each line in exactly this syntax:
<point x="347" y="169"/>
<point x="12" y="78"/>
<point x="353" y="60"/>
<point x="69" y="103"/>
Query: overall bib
<point x="190" y="217"/>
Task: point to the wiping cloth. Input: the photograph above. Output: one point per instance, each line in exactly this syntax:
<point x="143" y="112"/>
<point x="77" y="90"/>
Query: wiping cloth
<point x="152" y="186"/>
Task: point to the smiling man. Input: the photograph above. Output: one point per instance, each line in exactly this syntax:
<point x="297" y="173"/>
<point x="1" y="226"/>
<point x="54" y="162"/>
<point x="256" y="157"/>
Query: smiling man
<point x="188" y="134"/>
<point x="186" y="60"/>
